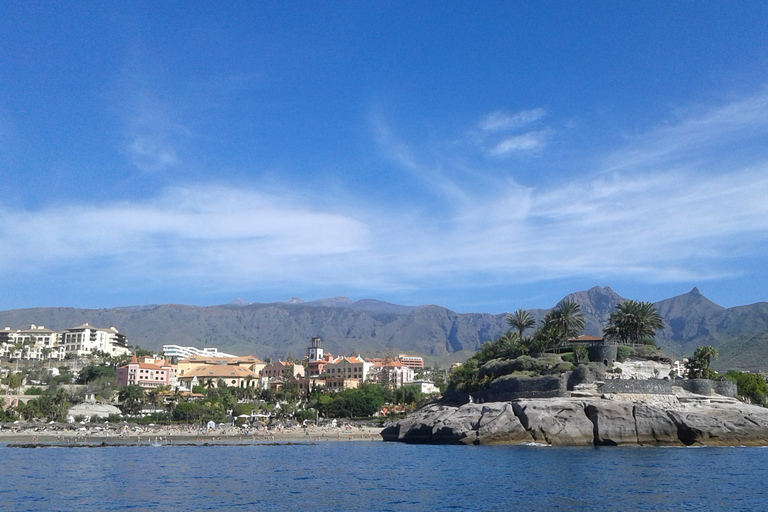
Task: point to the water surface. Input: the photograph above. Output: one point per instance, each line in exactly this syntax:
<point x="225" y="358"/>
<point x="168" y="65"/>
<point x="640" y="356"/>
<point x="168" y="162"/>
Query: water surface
<point x="382" y="477"/>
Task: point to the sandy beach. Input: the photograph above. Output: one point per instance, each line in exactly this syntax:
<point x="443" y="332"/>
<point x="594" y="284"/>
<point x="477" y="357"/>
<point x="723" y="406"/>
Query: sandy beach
<point x="97" y="435"/>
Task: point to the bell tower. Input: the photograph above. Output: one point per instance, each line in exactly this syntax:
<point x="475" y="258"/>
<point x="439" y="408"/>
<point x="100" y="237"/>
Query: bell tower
<point x="315" y="351"/>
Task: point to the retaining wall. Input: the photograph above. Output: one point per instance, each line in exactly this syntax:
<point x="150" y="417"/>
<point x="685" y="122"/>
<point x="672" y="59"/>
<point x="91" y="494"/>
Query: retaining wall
<point x="643" y="387"/>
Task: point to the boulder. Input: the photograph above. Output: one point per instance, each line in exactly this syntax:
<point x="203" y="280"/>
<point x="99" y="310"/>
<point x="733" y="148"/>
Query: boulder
<point x="499" y="425"/>
<point x="458" y="426"/>
<point x="654" y="427"/>
<point x="555" y="421"/>
<point x="722" y="426"/>
<point x="614" y="422"/>
<point x="417" y="427"/>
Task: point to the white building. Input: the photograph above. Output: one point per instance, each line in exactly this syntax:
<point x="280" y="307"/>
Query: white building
<point x="85" y="340"/>
<point x="37" y="342"/>
<point x="426" y="387"/>
<point x="392" y="373"/>
<point x="184" y="352"/>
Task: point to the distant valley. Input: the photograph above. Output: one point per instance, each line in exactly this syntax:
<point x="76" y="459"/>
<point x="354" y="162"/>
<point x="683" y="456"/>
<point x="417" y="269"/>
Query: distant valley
<point x="374" y="327"/>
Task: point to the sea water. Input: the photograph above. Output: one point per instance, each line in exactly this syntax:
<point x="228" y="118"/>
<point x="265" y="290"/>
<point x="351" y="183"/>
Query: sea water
<point x="380" y="476"/>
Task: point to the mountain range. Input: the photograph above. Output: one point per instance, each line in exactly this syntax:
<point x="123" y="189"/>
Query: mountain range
<point x="373" y="327"/>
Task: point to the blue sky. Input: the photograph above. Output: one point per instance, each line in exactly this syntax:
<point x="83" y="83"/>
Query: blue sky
<point x="481" y="156"/>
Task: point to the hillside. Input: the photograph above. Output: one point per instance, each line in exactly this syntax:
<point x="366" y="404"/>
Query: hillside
<point x="375" y="327"/>
<point x="744" y="353"/>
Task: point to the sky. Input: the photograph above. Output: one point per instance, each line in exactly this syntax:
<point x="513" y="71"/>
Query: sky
<point x="480" y="156"/>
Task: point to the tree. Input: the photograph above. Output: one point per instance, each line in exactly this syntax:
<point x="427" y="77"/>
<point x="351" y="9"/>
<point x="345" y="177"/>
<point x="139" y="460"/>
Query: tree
<point x="750" y="385"/>
<point x="580" y="353"/>
<point x="563" y="322"/>
<point x="46" y="354"/>
<point x="567" y="315"/>
<point x="505" y="346"/>
<point x="699" y="364"/>
<point x="93" y="371"/>
<point x="521" y="320"/>
<point x="633" y="321"/>
<point x="132" y="398"/>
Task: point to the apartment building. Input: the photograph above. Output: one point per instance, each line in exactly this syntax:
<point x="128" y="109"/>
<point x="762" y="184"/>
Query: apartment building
<point x="37" y="343"/>
<point x="85" y="340"/>
<point x="146" y="374"/>
<point x="181" y="352"/>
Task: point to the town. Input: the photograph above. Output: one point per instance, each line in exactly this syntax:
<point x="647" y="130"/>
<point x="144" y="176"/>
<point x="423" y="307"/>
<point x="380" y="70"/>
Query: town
<point x="86" y="374"/>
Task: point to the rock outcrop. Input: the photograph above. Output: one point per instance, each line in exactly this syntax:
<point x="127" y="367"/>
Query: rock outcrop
<point x="585" y="422"/>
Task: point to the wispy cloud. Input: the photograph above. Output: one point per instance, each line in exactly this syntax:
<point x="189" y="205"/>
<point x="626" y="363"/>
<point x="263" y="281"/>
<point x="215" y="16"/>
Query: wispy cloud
<point x="500" y="121"/>
<point x="655" y="211"/>
<point x="501" y="135"/>
<point x="218" y="232"/>
<point x="517" y="143"/>
<point x="151" y="136"/>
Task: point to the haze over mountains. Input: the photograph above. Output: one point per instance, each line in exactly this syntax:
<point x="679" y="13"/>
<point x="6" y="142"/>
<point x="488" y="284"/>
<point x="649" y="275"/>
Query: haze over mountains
<point x="374" y="327"/>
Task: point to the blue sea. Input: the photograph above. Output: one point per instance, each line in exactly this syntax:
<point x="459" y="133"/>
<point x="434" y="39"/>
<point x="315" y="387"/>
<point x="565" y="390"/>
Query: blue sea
<point x="380" y="476"/>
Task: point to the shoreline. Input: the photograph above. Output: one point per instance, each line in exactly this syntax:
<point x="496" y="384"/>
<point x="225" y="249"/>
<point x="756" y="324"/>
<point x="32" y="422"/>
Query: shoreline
<point x="162" y="436"/>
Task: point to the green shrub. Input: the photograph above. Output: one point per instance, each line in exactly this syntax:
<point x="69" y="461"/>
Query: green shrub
<point x="623" y="353"/>
<point x="563" y="367"/>
<point x="749" y="385"/>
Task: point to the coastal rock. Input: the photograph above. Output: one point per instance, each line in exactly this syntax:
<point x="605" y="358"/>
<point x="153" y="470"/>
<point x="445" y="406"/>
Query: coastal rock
<point x="585" y="422"/>
<point x="654" y="427"/>
<point x="458" y="427"/>
<point x="614" y="422"/>
<point x="499" y="425"/>
<point x="555" y="421"/>
<point x="417" y="427"/>
<point x="722" y="426"/>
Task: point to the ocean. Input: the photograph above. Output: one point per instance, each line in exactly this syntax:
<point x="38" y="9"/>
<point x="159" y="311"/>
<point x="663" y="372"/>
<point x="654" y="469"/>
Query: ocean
<point x="376" y="476"/>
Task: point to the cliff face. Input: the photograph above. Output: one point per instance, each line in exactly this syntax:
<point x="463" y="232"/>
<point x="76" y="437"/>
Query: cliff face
<point x="585" y="422"/>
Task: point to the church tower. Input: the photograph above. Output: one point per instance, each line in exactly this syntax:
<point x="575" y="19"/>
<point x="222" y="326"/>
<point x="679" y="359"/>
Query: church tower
<point x="315" y="351"/>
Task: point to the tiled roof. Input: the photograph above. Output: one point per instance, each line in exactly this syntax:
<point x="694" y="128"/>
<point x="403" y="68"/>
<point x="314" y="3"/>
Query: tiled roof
<point x="222" y="360"/>
<point x="144" y="366"/>
<point x="585" y="337"/>
<point x="218" y="371"/>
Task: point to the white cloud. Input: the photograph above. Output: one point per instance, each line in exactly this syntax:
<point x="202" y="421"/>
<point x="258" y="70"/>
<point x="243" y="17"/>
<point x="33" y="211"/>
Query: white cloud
<point x="502" y="135"/>
<point x="219" y="233"/>
<point x="499" y="121"/>
<point x="152" y="137"/>
<point x="656" y="211"/>
<point x="520" y="143"/>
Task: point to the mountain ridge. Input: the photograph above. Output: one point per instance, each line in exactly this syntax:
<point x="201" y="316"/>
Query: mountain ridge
<point x="370" y="326"/>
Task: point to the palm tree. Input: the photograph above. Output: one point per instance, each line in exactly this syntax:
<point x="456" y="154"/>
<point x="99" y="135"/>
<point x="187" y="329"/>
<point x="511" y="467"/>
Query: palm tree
<point x="521" y="320"/>
<point x="47" y="354"/>
<point x="633" y="321"/>
<point x="564" y="321"/>
<point x="706" y="354"/>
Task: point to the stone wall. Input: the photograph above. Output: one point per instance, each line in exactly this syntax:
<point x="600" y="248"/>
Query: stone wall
<point x="704" y="387"/>
<point x="512" y="388"/>
<point x="698" y="386"/>
<point x="725" y="388"/>
<point x="644" y="387"/>
<point x="553" y="386"/>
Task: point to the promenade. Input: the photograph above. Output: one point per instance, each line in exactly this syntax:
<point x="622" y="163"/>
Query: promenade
<point x="98" y="435"/>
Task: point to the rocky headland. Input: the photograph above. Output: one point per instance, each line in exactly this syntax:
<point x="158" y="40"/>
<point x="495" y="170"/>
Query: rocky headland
<point x="680" y="419"/>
